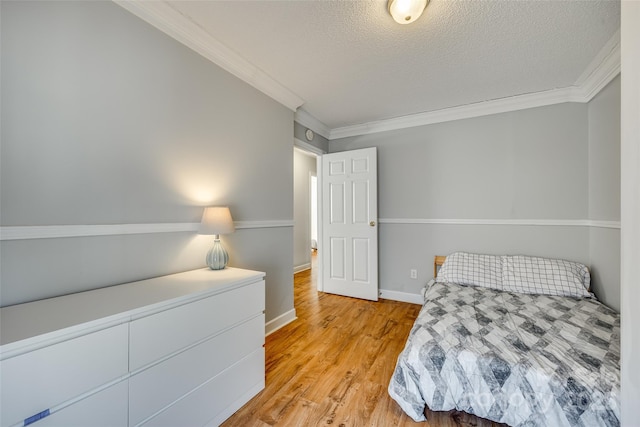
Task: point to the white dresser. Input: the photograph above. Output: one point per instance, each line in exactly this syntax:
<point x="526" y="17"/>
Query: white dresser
<point x="180" y="350"/>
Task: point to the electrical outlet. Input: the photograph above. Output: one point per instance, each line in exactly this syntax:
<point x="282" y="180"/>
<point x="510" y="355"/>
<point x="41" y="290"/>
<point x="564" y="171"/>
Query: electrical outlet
<point x="413" y="273"/>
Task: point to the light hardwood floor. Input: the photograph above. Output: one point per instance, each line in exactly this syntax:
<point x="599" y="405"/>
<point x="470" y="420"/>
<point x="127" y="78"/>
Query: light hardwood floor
<point x="331" y="367"/>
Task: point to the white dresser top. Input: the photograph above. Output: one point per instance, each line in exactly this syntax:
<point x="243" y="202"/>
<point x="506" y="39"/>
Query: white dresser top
<point x="24" y="327"/>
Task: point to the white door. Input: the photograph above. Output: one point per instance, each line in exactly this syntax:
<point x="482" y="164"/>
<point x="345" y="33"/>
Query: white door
<point x="350" y="223"/>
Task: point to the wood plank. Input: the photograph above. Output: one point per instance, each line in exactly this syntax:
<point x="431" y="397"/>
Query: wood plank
<point x="332" y="366"/>
<point x="437" y="262"/>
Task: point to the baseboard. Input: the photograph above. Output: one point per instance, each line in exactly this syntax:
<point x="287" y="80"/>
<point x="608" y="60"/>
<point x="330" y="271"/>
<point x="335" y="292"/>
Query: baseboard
<point x="401" y="296"/>
<point x="301" y="267"/>
<point x="280" y="321"/>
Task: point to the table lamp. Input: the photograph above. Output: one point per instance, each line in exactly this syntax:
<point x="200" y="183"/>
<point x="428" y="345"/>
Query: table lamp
<point x="216" y="220"/>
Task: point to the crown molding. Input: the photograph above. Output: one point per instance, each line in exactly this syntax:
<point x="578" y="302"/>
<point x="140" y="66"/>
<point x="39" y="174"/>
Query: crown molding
<point x="604" y="68"/>
<point x="502" y="105"/>
<point x="307" y="120"/>
<point x="170" y="21"/>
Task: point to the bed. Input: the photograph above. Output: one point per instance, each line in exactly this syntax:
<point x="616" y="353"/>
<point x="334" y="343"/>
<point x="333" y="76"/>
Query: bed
<point x="513" y="339"/>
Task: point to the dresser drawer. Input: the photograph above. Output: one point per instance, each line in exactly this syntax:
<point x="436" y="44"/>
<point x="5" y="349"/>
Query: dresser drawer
<point x="107" y="408"/>
<point x="156" y="387"/>
<point x="218" y="398"/>
<point x="33" y="382"/>
<point x="161" y="334"/>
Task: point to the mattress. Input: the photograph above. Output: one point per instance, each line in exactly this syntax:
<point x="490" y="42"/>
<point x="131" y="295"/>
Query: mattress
<point x="519" y="359"/>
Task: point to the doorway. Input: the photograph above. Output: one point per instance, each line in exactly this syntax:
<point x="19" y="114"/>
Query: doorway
<point x="305" y="234"/>
<point x="314" y="213"/>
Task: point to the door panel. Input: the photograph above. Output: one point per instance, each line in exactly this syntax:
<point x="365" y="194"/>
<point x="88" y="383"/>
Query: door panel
<point x="338" y="260"/>
<point x="361" y="256"/>
<point x="361" y="202"/>
<point x="349" y="218"/>
<point x="337" y="204"/>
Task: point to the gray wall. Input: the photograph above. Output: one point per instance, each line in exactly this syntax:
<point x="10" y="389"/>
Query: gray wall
<point x="318" y="141"/>
<point x="525" y="165"/>
<point x="304" y="166"/>
<point x="106" y="120"/>
<point x="604" y="192"/>
<point x="529" y="164"/>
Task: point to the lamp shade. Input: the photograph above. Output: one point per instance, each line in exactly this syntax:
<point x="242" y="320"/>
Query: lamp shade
<point x="216" y="220"/>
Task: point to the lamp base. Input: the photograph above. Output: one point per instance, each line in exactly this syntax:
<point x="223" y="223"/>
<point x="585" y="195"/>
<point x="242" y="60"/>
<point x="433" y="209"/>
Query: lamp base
<point x="217" y="257"/>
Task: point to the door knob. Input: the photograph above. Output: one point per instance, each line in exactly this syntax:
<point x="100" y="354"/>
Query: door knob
<point x="372" y="223"/>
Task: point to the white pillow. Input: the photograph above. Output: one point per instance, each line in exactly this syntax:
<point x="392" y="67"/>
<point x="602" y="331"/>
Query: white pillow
<point x="518" y="273"/>
<point x="472" y="269"/>
<point x="534" y="275"/>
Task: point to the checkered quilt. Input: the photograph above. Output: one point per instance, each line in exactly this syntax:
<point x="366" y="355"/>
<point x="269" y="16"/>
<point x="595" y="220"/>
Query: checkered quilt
<point x="519" y="359"/>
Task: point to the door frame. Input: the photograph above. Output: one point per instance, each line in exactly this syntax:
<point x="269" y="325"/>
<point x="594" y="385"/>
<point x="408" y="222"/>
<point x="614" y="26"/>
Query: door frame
<point x="318" y="153"/>
<point x="320" y="263"/>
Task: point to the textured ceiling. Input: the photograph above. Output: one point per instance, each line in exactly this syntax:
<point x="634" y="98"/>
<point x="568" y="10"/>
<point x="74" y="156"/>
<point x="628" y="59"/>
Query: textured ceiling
<point x="352" y="64"/>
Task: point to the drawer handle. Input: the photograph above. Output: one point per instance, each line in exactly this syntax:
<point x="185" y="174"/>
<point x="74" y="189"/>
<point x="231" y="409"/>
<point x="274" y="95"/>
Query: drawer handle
<point x="37" y="417"/>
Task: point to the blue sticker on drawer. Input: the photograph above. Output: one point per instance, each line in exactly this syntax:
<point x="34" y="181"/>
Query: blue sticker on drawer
<point x="32" y="419"/>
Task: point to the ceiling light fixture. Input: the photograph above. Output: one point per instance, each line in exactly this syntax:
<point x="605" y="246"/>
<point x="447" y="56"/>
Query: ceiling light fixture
<point x="406" y="11"/>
